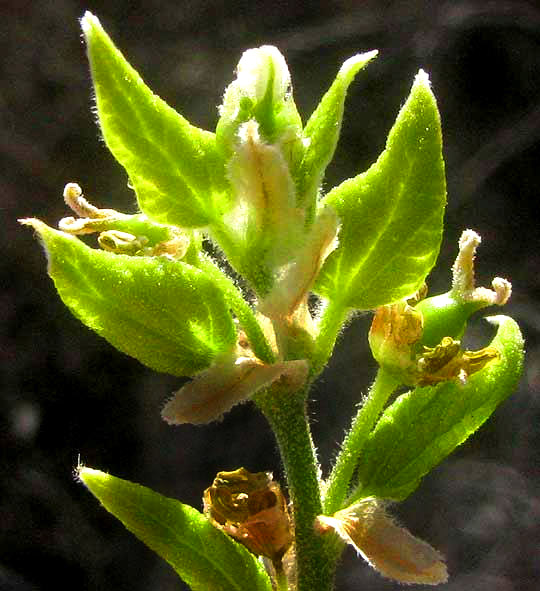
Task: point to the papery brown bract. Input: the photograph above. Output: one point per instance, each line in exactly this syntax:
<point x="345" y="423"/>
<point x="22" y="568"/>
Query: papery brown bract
<point x="217" y="389"/>
<point x="390" y="549"/>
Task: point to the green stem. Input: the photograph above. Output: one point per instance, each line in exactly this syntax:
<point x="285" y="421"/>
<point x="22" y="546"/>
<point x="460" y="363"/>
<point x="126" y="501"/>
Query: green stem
<point x="364" y="421"/>
<point x="286" y="414"/>
<point x="243" y="311"/>
<point x="221" y="234"/>
<point x="330" y="325"/>
<point x="248" y="321"/>
<point x="281" y="578"/>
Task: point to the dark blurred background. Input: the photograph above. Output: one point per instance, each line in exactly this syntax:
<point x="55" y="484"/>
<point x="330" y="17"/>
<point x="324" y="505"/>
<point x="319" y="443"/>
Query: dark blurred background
<point x="66" y="392"/>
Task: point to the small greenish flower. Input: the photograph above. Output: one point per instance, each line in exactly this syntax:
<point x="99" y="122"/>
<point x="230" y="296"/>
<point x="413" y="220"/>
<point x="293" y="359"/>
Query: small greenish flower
<point x="395" y="331"/>
<point x="414" y="339"/>
<point x="121" y="233"/>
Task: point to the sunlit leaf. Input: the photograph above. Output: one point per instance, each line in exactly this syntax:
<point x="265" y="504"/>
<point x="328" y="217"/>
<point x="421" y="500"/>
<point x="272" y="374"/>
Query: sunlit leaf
<point x="167" y="314"/>
<point x="392" y="214"/>
<point x="174" y="166"/>
<point x="204" y="557"/>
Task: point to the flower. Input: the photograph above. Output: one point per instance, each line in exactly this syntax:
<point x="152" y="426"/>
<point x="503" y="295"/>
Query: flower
<point x="417" y="339"/>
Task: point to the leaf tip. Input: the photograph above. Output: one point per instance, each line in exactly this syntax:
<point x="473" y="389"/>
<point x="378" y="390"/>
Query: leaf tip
<point x="496" y="320"/>
<point x="44" y="232"/>
<point x="89" y="22"/>
<point x="355" y="63"/>
<point x="422" y="78"/>
<point x="32" y="222"/>
<point x="78" y="468"/>
<point x="89" y="477"/>
<point x="508" y="333"/>
<point x="422" y="86"/>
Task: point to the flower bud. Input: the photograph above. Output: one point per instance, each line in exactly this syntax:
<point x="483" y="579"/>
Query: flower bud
<point x="261" y="92"/>
<point x="262" y="74"/>
<point x="264" y="191"/>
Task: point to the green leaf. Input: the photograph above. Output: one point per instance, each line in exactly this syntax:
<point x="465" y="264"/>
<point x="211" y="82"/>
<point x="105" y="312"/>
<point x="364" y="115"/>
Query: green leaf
<point x="322" y="131"/>
<point x="392" y="214"/>
<point x="167" y="314"/>
<point x="425" y="425"/>
<point x="204" y="557"/>
<point x="174" y="167"/>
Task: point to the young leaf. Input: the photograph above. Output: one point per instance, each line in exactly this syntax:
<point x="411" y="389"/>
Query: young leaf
<point x="261" y="92"/>
<point x="174" y="167"/>
<point x="202" y="555"/>
<point x="167" y="314"/>
<point x="425" y="425"/>
<point x="392" y="214"/>
<point x="322" y="130"/>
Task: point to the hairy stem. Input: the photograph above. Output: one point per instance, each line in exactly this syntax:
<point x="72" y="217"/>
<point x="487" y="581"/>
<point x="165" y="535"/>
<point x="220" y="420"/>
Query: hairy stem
<point x="351" y="448"/>
<point x="281" y="579"/>
<point x="330" y="324"/>
<point x="286" y="414"/>
<point x="248" y="321"/>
